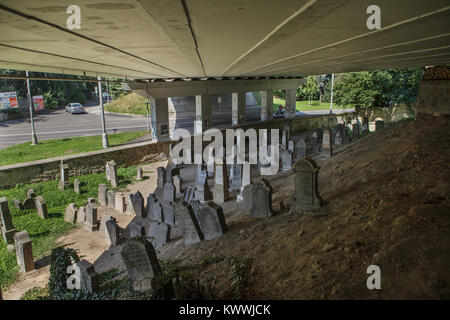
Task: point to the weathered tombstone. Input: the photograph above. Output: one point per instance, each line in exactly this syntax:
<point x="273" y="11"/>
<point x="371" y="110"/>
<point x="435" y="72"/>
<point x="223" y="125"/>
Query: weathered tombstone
<point x="18" y="204"/>
<point x="185" y="217"/>
<point x="355" y="131"/>
<point x="30" y="193"/>
<point x="158" y="212"/>
<point x="137" y="202"/>
<point x="102" y="194"/>
<point x="41" y="207"/>
<point x="338" y="138"/>
<point x="139" y="173"/>
<point x="306" y="194"/>
<point x="189" y="194"/>
<point x="202" y="190"/>
<point x="258" y="199"/>
<point x="161" y="180"/>
<point x="120" y="202"/>
<point x="151" y="200"/>
<point x="169" y="192"/>
<point x="291" y="146"/>
<point x="365" y="124"/>
<point x="211" y="220"/>
<point x="327" y="150"/>
<point x="178" y="184"/>
<point x="24" y="251"/>
<point x="63" y="176"/>
<point x="112" y="233"/>
<point x="7" y="226"/>
<point x="246" y="179"/>
<point x="171" y="171"/>
<point x="105" y="218"/>
<point x="91" y="223"/>
<point x="221" y="184"/>
<point x="167" y="211"/>
<point x="77" y="186"/>
<point x="81" y="216"/>
<point x="111" y="173"/>
<point x="300" y="149"/>
<point x="345" y="135"/>
<point x="236" y="177"/>
<point x="313" y="138"/>
<point x="71" y="213"/>
<point x="379" y="124"/>
<point x="28" y="204"/>
<point x="158" y="233"/>
<point x="142" y="264"/>
<point x="89" y="279"/>
<point x="91" y="201"/>
<point x="111" y="199"/>
<point x="286" y="157"/>
<point x="136" y="229"/>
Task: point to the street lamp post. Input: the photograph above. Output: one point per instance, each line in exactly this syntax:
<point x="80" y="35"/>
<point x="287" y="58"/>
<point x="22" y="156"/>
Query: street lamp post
<point x="104" y="135"/>
<point x="34" y="140"/>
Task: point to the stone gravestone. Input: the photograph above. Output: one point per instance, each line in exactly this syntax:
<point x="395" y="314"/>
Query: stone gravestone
<point x="167" y="211"/>
<point x="300" y="149"/>
<point x="18" y="204"/>
<point x="139" y="173"/>
<point x="136" y="229"/>
<point x="185" y="217"/>
<point x="236" y="177"/>
<point x="258" y="199"/>
<point x="327" y="150"/>
<point x="345" y="135"/>
<point x="171" y="171"/>
<point x="286" y="157"/>
<point x="81" y="216"/>
<point x="338" y="139"/>
<point x="355" y="132"/>
<point x="120" y="202"/>
<point x="189" y="194"/>
<point x="77" y="186"/>
<point x="379" y="124"/>
<point x="105" y="218"/>
<point x="7" y="226"/>
<point x="169" y="192"/>
<point x="63" y="176"/>
<point x="291" y="146"/>
<point x="158" y="234"/>
<point x="202" y="190"/>
<point x="158" y="212"/>
<point x="28" y="204"/>
<point x="161" y="180"/>
<point x="221" y="184"/>
<point x="102" y="194"/>
<point x="111" y="173"/>
<point x="71" y="213"/>
<point x="142" y="264"/>
<point x="365" y="124"/>
<point x="151" y="200"/>
<point x="306" y="194"/>
<point x="112" y="233"/>
<point x="211" y="220"/>
<point x="91" y="223"/>
<point x="89" y="279"/>
<point x="247" y="179"/>
<point x="41" y="207"/>
<point x="137" y="201"/>
<point x="24" y="251"/>
<point x="111" y="199"/>
<point x="30" y="193"/>
<point x="178" y="184"/>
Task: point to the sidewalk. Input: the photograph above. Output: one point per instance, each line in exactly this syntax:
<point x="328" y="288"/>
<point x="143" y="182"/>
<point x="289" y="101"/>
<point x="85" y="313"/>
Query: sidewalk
<point x="96" y="110"/>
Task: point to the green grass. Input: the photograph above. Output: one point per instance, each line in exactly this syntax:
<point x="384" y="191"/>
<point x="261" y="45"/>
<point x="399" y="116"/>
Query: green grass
<point x="43" y="233"/>
<point x="305" y="106"/>
<point x="131" y="103"/>
<point x="61" y="147"/>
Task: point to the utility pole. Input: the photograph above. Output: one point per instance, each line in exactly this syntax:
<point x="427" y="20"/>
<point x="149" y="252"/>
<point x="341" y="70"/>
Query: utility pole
<point x="34" y="140"/>
<point x="331" y="98"/>
<point x="100" y="95"/>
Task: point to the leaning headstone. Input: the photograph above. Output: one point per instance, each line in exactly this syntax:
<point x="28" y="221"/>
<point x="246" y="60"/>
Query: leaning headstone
<point x="142" y="264"/>
<point x="306" y="194"/>
<point x="158" y="234"/>
<point x="260" y="203"/>
<point x="30" y="193"/>
<point x="120" y="202"/>
<point x="89" y="279"/>
<point x="7" y="227"/>
<point x="111" y="173"/>
<point x="286" y="158"/>
<point x="139" y="173"/>
<point x="105" y="218"/>
<point x="112" y="233"/>
<point x="300" y="149"/>
<point x="185" y="217"/>
<point x="102" y="194"/>
<point x="91" y="223"/>
<point x="41" y="207"/>
<point x="211" y="220"/>
<point x="355" y="131"/>
<point x="221" y="184"/>
<point x="77" y="186"/>
<point x="137" y="201"/>
<point x="178" y="184"/>
<point x="169" y="192"/>
<point x="236" y="177"/>
<point x="24" y="251"/>
<point x="63" y="176"/>
<point x="151" y="200"/>
<point x="379" y="124"/>
<point x="167" y="211"/>
<point x="28" y="204"/>
<point x="111" y="199"/>
<point x="71" y="213"/>
<point x="202" y="190"/>
<point x="161" y="180"/>
<point x="18" y="204"/>
<point x="136" y="229"/>
<point x="327" y="150"/>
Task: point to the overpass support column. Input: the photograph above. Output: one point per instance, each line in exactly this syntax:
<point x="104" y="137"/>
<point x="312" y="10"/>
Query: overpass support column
<point x="202" y="113"/>
<point x="290" y="103"/>
<point x="266" y="105"/>
<point x="160" y="118"/>
<point x="238" y="108"/>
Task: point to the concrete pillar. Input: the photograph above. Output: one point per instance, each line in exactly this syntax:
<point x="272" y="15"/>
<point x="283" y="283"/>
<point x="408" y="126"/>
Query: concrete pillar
<point x="266" y="105"/>
<point x="290" y="103"/>
<point x="202" y="113"/>
<point x="160" y="118"/>
<point x="238" y="108"/>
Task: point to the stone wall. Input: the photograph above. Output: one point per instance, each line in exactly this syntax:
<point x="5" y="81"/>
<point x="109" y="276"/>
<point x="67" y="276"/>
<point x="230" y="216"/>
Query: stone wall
<point x="434" y="92"/>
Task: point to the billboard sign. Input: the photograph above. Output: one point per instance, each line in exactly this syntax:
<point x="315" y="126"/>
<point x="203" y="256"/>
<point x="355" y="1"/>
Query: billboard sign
<point x="8" y="100"/>
<point x="38" y="103"/>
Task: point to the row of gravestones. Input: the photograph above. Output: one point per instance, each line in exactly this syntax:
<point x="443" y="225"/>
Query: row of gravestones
<point x="32" y="202"/>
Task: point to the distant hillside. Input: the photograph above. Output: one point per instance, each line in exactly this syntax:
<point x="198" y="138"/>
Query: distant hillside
<point x="130" y="103"/>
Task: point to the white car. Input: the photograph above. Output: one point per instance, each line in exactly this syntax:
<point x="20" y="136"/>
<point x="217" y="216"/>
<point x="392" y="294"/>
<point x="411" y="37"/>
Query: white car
<point x="75" y="108"/>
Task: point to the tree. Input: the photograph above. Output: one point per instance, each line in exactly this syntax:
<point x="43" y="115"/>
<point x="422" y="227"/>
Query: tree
<point x="311" y="87"/>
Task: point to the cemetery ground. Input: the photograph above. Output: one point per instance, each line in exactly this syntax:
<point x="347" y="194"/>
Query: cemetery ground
<point x="386" y="202"/>
<point x="24" y="152"/>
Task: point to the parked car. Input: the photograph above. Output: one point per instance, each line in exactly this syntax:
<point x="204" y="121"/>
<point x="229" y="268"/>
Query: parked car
<point x="75" y="108"/>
